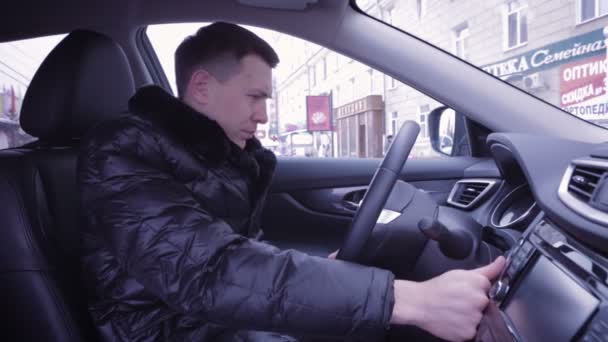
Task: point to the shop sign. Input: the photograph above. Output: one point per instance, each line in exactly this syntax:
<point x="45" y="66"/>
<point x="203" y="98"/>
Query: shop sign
<point x="569" y="50"/>
<point x="371" y="102"/>
<point x="582" y="81"/>
<point x="318" y="113"/>
<point x="351" y="108"/>
<point x="583" y="88"/>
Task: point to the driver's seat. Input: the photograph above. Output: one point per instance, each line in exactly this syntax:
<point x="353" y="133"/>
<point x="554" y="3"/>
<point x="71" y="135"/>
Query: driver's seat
<point x="84" y="80"/>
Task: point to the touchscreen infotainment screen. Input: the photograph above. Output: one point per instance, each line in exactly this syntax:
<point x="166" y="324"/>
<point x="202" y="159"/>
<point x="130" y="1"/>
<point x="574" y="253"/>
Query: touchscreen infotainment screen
<point x="548" y="305"/>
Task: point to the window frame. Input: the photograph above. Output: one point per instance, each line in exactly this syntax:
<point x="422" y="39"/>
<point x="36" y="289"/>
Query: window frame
<point x="347" y="89"/>
<point x="579" y="12"/>
<point x="423" y="115"/>
<point x="505" y="25"/>
<point x="459" y="38"/>
<point x="421" y="9"/>
<point x="394" y="123"/>
<point x="389" y="12"/>
<point x="324" y="66"/>
<point x="392" y="82"/>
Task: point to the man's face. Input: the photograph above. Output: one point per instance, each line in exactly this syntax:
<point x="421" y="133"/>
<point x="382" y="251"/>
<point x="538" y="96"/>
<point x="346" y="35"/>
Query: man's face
<point x="238" y="104"/>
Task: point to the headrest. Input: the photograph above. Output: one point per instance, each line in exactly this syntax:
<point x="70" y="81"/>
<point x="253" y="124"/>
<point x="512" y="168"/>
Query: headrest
<point x="85" y="79"/>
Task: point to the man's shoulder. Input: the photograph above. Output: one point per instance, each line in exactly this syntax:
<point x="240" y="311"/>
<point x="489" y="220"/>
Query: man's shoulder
<point x="123" y="130"/>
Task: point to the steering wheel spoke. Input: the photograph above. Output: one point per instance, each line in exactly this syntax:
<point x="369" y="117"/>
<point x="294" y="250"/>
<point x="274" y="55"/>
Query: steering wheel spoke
<point x="379" y="190"/>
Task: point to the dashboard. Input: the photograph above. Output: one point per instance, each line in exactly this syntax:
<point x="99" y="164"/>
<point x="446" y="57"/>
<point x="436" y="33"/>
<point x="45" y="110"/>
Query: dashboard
<point x="554" y="206"/>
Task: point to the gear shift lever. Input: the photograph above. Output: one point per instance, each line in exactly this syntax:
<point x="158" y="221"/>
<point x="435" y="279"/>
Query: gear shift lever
<point x="455" y="244"/>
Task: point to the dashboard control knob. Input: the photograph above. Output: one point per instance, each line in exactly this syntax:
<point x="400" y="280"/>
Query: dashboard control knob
<point x="455" y="244"/>
<point x="499" y="290"/>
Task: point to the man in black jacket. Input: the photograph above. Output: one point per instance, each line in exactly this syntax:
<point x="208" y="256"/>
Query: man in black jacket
<point x="172" y="195"/>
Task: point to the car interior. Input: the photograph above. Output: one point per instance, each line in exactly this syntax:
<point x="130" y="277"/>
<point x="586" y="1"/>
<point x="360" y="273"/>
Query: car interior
<point x="532" y="187"/>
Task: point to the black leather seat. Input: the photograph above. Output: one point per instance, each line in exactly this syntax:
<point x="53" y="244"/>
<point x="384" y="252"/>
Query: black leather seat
<point x="84" y="80"/>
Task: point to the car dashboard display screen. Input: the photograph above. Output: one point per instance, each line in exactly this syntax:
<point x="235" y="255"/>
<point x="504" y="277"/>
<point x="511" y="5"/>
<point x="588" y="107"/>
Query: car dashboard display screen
<point x="548" y="305"/>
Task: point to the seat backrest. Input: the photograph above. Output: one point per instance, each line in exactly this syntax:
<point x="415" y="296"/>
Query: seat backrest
<point x="84" y="80"/>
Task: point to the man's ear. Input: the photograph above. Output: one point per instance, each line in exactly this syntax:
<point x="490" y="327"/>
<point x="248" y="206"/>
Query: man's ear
<point x="200" y="86"/>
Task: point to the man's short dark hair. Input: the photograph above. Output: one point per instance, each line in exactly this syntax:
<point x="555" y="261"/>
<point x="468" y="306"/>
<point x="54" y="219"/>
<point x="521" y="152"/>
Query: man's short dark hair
<point x="218" y="48"/>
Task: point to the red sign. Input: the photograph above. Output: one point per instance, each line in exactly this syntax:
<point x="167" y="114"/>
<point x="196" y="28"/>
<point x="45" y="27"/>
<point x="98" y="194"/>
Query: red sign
<point x="582" y="81"/>
<point x="318" y="113"/>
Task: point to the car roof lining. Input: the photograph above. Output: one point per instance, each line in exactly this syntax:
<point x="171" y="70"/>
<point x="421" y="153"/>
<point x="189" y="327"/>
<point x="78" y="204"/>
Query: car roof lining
<point x="31" y="18"/>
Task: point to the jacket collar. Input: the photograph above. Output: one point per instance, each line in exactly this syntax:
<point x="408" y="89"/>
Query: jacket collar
<point x="205" y="137"/>
<point x="195" y="129"/>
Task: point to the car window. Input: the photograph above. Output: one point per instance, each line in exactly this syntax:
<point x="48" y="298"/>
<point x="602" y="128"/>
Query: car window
<point x="554" y="50"/>
<point x="19" y="60"/>
<point x="324" y="104"/>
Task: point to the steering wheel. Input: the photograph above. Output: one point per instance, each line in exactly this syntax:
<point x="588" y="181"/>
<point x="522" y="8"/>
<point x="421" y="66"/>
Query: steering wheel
<point x="377" y="193"/>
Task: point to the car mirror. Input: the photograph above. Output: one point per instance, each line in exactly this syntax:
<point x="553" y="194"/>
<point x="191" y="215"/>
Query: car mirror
<point x="446" y="131"/>
<point x="443" y="131"/>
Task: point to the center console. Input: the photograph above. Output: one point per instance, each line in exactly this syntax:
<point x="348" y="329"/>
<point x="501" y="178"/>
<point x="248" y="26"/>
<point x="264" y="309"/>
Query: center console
<point x="553" y="289"/>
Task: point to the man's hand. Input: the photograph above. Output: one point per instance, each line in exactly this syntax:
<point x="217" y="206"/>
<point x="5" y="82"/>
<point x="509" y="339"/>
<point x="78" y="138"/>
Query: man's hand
<point x="449" y="306"/>
<point x="333" y="255"/>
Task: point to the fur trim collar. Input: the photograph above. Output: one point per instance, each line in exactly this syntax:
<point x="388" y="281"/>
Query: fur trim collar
<point x="193" y="128"/>
<point x="208" y="140"/>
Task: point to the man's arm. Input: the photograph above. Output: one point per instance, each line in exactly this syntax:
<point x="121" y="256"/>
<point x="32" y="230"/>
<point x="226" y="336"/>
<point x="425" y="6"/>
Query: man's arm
<point x="194" y="262"/>
<point x="449" y="306"/>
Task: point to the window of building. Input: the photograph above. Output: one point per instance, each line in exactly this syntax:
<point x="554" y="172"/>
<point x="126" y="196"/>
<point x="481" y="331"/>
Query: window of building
<point x="392" y="83"/>
<point x="19" y="60"/>
<point x="343" y="137"/>
<point x="461" y="35"/>
<point x="389" y="15"/>
<point x="320" y="71"/>
<point x="420" y="8"/>
<point x="353" y="127"/>
<point x="423" y="112"/>
<point x="337" y="61"/>
<point x="394" y="119"/>
<point x="336" y="96"/>
<point x="591" y="9"/>
<point x="516" y="24"/>
<point x="324" y="68"/>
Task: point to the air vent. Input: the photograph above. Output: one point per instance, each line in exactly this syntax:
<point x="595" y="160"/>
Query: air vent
<point x="577" y="189"/>
<point x="467" y="193"/>
<point x="583" y="181"/>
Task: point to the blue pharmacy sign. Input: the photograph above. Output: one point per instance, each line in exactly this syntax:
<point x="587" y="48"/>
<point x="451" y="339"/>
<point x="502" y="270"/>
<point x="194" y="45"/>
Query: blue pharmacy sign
<point x="583" y="46"/>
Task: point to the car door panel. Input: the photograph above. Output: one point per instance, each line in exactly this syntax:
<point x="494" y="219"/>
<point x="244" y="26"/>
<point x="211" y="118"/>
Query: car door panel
<point x="312" y="200"/>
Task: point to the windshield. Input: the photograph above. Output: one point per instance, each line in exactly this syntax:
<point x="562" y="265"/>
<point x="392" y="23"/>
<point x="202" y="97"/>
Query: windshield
<point x="552" y="49"/>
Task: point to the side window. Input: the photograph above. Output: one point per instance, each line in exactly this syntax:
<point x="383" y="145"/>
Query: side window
<point x="19" y="60"/>
<point x="324" y="104"/>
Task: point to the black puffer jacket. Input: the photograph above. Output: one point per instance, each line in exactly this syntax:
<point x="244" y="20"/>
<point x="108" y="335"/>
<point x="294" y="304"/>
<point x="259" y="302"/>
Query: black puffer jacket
<point x="172" y="208"/>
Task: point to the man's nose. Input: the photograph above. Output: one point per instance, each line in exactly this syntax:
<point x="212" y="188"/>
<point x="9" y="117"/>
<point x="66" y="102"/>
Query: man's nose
<point x="260" y="114"/>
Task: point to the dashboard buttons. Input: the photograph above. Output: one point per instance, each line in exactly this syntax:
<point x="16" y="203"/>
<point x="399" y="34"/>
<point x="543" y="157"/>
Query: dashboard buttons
<point x="519" y="258"/>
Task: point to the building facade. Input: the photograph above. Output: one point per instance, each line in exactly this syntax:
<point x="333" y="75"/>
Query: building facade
<point x="554" y="50"/>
